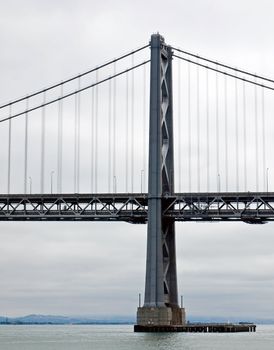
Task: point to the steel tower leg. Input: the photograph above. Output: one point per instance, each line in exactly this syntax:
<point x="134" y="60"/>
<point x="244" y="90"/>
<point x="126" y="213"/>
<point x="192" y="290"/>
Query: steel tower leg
<point x="161" y="297"/>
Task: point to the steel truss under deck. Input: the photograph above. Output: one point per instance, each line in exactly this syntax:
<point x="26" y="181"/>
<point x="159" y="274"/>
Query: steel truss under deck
<point x="249" y="207"/>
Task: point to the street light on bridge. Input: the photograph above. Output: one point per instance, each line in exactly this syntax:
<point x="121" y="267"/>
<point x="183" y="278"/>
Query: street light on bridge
<point x="114" y="184"/>
<point x="142" y="174"/>
<point x="219" y="182"/>
<point x="51" y="181"/>
<point x="267" y="169"/>
<point x="30" y="184"/>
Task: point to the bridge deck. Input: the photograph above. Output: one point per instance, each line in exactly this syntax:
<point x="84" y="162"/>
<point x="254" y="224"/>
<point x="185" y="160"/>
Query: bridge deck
<point x="249" y="207"/>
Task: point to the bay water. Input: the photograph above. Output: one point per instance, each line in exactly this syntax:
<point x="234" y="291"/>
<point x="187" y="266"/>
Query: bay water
<point x="122" y="337"/>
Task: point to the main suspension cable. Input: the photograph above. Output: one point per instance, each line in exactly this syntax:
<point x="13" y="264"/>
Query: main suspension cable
<point x="223" y="65"/>
<point x="225" y="73"/>
<point x="74" y="77"/>
<point x="74" y="92"/>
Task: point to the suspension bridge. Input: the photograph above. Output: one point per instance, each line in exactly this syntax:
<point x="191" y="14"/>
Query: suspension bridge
<point x="155" y="136"/>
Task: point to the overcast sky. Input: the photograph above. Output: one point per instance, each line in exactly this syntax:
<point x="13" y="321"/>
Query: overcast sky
<point x="98" y="268"/>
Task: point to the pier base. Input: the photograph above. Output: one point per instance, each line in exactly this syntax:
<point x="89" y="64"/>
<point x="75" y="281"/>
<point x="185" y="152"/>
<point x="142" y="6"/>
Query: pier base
<point x="160" y="316"/>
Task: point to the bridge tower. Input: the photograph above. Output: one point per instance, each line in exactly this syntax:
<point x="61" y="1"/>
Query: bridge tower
<point x="161" y="296"/>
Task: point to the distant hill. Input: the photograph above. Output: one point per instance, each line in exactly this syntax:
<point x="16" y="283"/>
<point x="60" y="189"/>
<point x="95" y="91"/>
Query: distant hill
<point x="59" y="320"/>
<point x="63" y="320"/>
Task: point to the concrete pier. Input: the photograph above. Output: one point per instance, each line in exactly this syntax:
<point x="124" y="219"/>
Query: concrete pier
<point x="160" y="316"/>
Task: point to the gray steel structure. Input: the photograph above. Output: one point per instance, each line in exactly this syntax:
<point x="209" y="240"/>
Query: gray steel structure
<point x="249" y="207"/>
<point x="161" y="276"/>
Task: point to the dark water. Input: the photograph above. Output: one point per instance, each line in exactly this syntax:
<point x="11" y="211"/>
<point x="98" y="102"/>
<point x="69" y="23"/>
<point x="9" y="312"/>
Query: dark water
<point x="122" y="338"/>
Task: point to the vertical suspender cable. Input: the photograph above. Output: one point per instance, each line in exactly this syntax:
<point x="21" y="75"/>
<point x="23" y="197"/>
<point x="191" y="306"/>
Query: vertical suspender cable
<point x="256" y="138"/>
<point x="9" y="152"/>
<point x="237" y="135"/>
<point x="263" y="140"/>
<point x="245" y="155"/>
<point x="189" y="131"/>
<point x="92" y="143"/>
<point x="179" y="123"/>
<point x="43" y="123"/>
<point x="60" y="142"/>
<point x="109" y="136"/>
<point x="127" y="132"/>
<point x="132" y="128"/>
<point x="207" y="132"/>
<point x="26" y="148"/>
<point x="217" y="134"/>
<point x="198" y="131"/>
<point x="144" y="129"/>
<point x="75" y="143"/>
<point x="226" y="136"/>
<point x="114" y="132"/>
<point x="96" y="134"/>
<point x="78" y="135"/>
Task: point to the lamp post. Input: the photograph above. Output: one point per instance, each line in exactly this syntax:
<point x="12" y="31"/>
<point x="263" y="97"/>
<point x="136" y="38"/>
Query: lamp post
<point x="30" y="184"/>
<point x="267" y="169"/>
<point x="51" y="181"/>
<point x="219" y="182"/>
<point x="142" y="174"/>
<point x="114" y="184"/>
